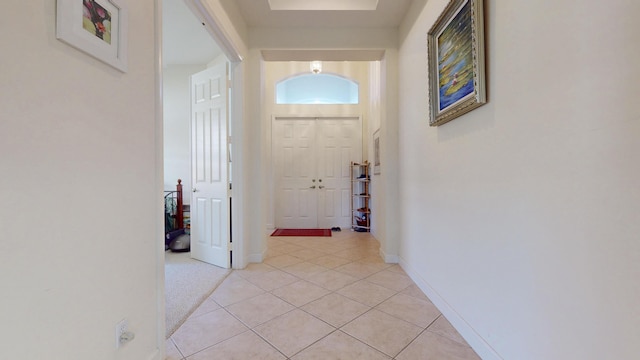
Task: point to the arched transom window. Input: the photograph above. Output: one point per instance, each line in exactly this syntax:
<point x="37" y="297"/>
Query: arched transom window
<point x="317" y="89"/>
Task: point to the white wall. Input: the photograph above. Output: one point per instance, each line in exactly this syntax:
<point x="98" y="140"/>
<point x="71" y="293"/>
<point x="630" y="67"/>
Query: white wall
<point x="314" y="39"/>
<point x="80" y="219"/>
<point x="253" y="169"/>
<point x="279" y="70"/>
<point x="375" y="110"/>
<point x="521" y="219"/>
<point x="177" y="118"/>
<point x="385" y="185"/>
<point x="248" y="144"/>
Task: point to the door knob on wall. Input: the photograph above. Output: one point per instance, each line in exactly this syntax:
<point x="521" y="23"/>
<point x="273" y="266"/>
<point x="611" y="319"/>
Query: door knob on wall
<point x="321" y="187"/>
<point x="312" y="187"/>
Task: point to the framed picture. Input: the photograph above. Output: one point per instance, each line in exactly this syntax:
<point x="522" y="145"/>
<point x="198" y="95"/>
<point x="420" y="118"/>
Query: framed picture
<point x="456" y="61"/>
<point x="97" y="27"/>
<point x="376" y="152"/>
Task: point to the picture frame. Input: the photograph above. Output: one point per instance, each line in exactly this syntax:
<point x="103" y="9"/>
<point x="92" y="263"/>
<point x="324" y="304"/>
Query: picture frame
<point x="376" y="152"/>
<point x="456" y="61"/>
<point x="96" y="27"/>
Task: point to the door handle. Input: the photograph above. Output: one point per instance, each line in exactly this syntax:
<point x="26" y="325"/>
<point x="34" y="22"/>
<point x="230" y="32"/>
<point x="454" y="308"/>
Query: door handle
<point x="312" y="187"/>
<point x="194" y="190"/>
<point x="321" y="187"/>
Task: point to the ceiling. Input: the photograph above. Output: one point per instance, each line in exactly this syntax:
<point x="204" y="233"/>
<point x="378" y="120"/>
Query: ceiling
<point x="323" y="5"/>
<point x="185" y="40"/>
<point x="257" y="13"/>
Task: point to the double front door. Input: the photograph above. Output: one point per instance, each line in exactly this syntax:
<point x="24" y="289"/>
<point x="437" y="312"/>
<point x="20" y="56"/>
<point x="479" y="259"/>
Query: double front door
<point x="311" y="159"/>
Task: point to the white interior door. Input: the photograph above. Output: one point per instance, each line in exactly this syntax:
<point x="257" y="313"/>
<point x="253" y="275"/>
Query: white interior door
<point x="339" y="143"/>
<point x="210" y="168"/>
<point x="311" y="171"/>
<point x="295" y="180"/>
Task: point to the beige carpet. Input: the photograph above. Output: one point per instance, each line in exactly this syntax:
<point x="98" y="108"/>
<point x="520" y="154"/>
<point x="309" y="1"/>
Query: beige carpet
<point x="188" y="283"/>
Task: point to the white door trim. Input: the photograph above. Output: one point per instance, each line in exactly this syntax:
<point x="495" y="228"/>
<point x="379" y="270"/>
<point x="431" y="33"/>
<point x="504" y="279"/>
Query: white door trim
<point x="159" y="189"/>
<point x="205" y="12"/>
<point x="229" y="48"/>
<point x="208" y="17"/>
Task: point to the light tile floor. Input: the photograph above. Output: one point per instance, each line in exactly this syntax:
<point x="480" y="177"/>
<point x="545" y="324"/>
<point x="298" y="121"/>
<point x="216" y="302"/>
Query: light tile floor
<point x="318" y="298"/>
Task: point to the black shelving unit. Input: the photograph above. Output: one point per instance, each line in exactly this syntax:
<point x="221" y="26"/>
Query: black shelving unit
<point x="360" y="197"/>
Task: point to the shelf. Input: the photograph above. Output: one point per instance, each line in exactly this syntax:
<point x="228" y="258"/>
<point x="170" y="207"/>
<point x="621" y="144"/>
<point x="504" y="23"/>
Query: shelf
<point x="360" y="197"/>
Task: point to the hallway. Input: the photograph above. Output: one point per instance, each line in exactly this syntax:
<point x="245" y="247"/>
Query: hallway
<point x="318" y="298"/>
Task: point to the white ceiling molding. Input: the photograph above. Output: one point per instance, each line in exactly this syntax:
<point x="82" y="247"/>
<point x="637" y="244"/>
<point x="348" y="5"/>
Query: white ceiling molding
<point x="260" y="13"/>
<point x="212" y="23"/>
<point x="323" y="55"/>
<point x="324" y="5"/>
<point x="185" y="40"/>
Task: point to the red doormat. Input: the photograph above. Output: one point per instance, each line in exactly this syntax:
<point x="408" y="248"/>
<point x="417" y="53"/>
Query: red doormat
<point x="302" y="232"/>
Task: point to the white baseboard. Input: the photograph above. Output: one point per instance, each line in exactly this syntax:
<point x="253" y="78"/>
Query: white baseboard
<point x="157" y="355"/>
<point x="389" y="259"/>
<point x="477" y="342"/>
<point x="256" y="258"/>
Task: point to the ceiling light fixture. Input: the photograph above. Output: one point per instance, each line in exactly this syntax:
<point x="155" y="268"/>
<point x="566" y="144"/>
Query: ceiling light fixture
<point x="316" y="67"/>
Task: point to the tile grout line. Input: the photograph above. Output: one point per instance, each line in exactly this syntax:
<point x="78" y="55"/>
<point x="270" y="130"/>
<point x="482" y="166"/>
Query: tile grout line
<point x="409" y="344"/>
<point x="177" y="348"/>
<point x="268" y="342"/>
<point x="351" y="260"/>
<point x="335" y="329"/>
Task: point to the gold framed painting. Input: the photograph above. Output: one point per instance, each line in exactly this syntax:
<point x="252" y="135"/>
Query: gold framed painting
<point x="456" y="61"/>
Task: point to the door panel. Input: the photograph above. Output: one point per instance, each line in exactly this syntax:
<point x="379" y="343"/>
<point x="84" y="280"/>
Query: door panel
<point x="210" y="168"/>
<point x="294" y="149"/>
<point x="311" y="171"/>
<point x="340" y="142"/>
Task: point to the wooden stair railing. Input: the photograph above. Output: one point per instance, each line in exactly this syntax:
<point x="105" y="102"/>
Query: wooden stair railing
<point x="179" y="207"/>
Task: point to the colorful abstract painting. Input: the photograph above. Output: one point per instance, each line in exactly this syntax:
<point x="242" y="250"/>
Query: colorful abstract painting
<point x="96" y="27"/>
<point x="455" y="59"/>
<point x="96" y="20"/>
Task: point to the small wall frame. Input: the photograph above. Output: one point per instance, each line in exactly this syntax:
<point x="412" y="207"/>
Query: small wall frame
<point x="376" y="152"/>
<point x="96" y="27"/>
